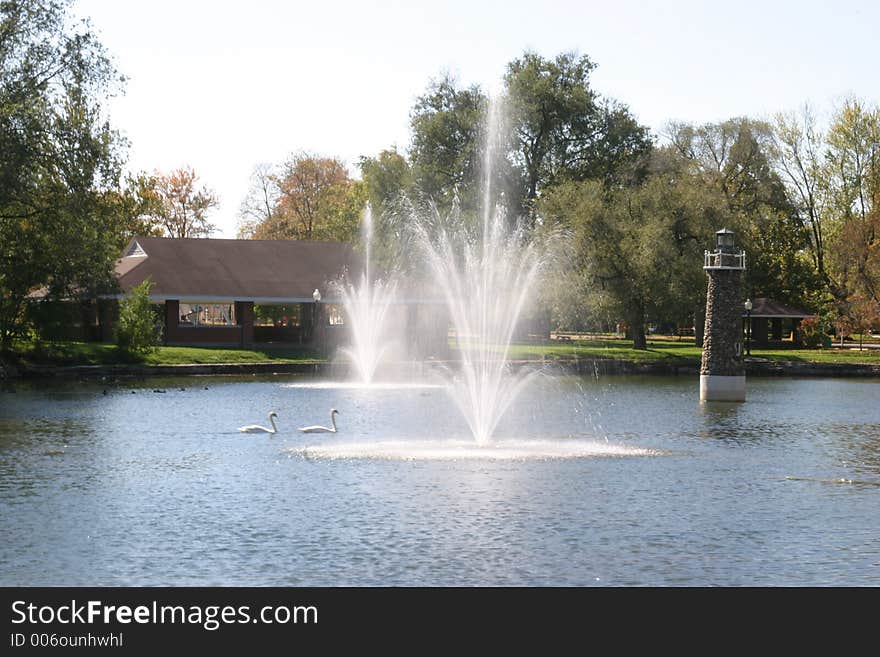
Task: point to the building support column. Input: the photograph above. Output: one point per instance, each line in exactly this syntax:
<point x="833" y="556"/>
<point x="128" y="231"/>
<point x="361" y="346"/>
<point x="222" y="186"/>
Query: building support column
<point x="244" y="317"/>
<point x="172" y="319"/>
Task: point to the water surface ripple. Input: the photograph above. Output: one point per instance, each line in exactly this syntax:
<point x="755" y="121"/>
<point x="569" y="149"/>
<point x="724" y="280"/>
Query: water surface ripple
<point x="616" y="481"/>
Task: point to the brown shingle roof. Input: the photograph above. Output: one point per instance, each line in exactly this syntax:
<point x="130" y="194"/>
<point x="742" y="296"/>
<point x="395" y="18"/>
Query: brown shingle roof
<point x="242" y="270"/>
<point x="763" y="307"/>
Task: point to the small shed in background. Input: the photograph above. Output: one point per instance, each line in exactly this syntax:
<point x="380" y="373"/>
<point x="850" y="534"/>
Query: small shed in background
<point x="774" y="322"/>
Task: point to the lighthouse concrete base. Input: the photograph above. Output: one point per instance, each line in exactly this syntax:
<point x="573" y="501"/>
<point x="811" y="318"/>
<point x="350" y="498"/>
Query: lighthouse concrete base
<point x="722" y="388"/>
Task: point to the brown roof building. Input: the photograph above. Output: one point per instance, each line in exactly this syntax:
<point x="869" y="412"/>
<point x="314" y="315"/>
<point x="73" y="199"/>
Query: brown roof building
<point x="209" y="286"/>
<point x="221" y="270"/>
<point x="770" y="308"/>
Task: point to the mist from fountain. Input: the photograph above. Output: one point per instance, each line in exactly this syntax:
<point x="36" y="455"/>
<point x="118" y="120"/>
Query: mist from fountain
<point x="484" y="269"/>
<point x="366" y="305"/>
<point x="485" y="279"/>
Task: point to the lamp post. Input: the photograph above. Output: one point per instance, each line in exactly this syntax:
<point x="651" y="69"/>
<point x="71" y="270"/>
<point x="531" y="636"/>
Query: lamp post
<point x="316" y="297"/>
<point x="748" y="306"/>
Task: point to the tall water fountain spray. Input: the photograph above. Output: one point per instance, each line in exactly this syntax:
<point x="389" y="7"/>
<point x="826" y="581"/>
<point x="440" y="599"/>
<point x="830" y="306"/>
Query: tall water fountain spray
<point x="485" y="280"/>
<point x="366" y="304"/>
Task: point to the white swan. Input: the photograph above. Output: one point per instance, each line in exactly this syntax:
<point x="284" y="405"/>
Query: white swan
<point x="317" y="428"/>
<point x="256" y="428"/>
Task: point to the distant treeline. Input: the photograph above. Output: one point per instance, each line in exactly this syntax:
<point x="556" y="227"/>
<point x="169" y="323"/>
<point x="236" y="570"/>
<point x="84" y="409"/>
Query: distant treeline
<point x="636" y="209"/>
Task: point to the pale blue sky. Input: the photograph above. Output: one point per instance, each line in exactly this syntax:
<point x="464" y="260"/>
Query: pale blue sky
<point x="223" y="85"/>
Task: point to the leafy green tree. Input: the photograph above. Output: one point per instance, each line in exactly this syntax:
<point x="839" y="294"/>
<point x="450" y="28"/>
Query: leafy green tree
<point x="734" y="155"/>
<point x="59" y="159"/>
<point x="132" y="204"/>
<point x="852" y="163"/>
<point x="735" y="158"/>
<point x="386" y="176"/>
<point x="833" y="178"/>
<point x="858" y="251"/>
<point x="853" y="159"/>
<point x="563" y="130"/>
<point x="345" y="207"/>
<point x="387" y="180"/>
<point x="137" y="330"/>
<point x="638" y="250"/>
<point x="554" y="128"/>
<point x="445" y="151"/>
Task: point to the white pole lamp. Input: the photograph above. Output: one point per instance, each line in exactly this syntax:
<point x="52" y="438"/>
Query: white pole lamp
<point x="748" y="306"/>
<point x="316" y="296"/>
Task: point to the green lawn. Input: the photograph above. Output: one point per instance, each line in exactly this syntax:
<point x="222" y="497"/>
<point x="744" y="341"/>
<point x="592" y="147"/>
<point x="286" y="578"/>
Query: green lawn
<point x="616" y="349"/>
<point x="93" y="353"/>
<point x="670" y="351"/>
<point x="680" y="351"/>
<point x="207" y="355"/>
<point x="833" y="355"/>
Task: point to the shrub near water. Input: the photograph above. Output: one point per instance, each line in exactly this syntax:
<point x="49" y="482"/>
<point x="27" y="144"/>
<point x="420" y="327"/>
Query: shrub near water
<point x="137" y="331"/>
<point x="812" y="332"/>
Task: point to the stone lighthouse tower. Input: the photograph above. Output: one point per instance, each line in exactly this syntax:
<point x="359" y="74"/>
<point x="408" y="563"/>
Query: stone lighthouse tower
<point x="722" y="377"/>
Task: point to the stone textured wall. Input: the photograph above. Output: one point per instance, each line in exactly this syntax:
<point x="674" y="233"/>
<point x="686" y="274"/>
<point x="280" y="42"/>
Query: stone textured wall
<point x="722" y="342"/>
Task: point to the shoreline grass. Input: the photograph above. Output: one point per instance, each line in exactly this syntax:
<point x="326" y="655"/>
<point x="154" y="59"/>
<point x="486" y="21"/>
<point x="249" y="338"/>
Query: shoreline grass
<point x="94" y="353"/>
<point x="659" y="351"/>
<point x="682" y="352"/>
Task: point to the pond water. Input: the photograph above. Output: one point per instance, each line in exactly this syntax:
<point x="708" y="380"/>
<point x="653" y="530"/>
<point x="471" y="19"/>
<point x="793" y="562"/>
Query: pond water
<point x="615" y="481"/>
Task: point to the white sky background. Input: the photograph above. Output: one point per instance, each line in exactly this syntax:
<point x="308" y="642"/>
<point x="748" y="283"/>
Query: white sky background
<point x="222" y="86"/>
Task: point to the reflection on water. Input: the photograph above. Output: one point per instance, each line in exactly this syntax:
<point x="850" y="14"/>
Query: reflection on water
<point x="595" y="480"/>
